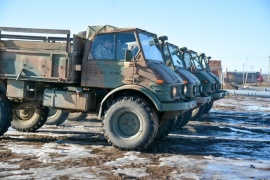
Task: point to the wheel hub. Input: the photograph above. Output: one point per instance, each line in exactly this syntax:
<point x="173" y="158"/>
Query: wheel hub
<point x="24" y="114"/>
<point x="128" y="124"/>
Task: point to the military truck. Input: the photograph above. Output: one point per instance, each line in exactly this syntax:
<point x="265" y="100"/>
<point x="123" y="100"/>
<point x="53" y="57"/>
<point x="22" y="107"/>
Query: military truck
<point x="204" y="60"/>
<point x="193" y="88"/>
<point x="132" y="91"/>
<point x="210" y="86"/>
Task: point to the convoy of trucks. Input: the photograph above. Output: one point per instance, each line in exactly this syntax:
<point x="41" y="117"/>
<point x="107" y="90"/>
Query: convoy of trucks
<point x="135" y="90"/>
<point x="193" y="87"/>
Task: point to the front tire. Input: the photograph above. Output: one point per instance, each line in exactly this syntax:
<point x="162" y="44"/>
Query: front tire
<point x="130" y="123"/>
<point x="165" y="127"/>
<point x="56" y="117"/>
<point x="5" y="116"/>
<point x="183" y="119"/>
<point x="198" y="112"/>
<point x="208" y="107"/>
<point x="29" y="116"/>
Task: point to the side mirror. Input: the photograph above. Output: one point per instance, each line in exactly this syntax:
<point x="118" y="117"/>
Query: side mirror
<point x="128" y="55"/>
<point x="183" y="49"/>
<point x="202" y="54"/>
<point x="163" y="38"/>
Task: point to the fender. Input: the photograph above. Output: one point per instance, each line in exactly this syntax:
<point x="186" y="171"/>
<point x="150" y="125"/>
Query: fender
<point x="138" y="88"/>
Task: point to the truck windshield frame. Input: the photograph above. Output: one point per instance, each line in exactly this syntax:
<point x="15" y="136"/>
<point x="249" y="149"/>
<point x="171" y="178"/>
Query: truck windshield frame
<point x="150" y="47"/>
<point x="205" y="64"/>
<point x="196" y="61"/>
<point x="176" y="57"/>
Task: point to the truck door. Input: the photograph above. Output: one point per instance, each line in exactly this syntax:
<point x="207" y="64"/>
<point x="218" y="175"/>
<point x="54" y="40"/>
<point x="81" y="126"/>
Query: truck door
<point x="105" y="65"/>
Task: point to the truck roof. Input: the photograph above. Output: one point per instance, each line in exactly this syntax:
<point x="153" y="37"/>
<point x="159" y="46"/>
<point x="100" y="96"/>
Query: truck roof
<point x="92" y="30"/>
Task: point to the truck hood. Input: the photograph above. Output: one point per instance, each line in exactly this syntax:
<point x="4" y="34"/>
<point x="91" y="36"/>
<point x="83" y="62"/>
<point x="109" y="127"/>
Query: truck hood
<point x="214" y="77"/>
<point x="168" y="75"/>
<point x="188" y="76"/>
<point x="207" y="76"/>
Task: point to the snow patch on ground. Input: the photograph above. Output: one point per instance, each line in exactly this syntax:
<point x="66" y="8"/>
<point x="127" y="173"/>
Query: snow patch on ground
<point x="217" y="167"/>
<point x="129" y="158"/>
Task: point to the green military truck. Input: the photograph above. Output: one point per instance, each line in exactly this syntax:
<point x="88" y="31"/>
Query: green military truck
<point x="210" y="85"/>
<point x="204" y="60"/>
<point x="131" y="90"/>
<point x="193" y="88"/>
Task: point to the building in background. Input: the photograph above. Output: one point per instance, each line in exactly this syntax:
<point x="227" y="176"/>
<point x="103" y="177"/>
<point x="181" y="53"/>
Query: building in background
<point x="236" y="77"/>
<point x="216" y="68"/>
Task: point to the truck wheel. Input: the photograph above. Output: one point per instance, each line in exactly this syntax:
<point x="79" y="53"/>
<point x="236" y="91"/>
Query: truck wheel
<point x="130" y="123"/>
<point x="56" y="117"/>
<point x="198" y="112"/>
<point x="166" y="125"/>
<point x="29" y="116"/>
<point x="208" y="107"/>
<point x="183" y="119"/>
<point x="77" y="116"/>
<point x="5" y="116"/>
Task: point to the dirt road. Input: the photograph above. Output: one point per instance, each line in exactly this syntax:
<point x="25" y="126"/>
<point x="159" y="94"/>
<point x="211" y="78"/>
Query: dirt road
<point x="231" y="142"/>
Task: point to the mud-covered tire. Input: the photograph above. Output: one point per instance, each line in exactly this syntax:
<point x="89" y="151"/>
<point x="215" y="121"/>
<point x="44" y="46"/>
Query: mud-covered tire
<point x="166" y="125"/>
<point x="29" y="116"/>
<point x="208" y="107"/>
<point x="5" y="116"/>
<point x="198" y="112"/>
<point x="56" y="117"/>
<point x="78" y="116"/>
<point x="183" y="119"/>
<point x="130" y="123"/>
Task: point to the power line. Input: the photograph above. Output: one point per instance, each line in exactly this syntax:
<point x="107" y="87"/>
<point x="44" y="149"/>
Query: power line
<point x="242" y="57"/>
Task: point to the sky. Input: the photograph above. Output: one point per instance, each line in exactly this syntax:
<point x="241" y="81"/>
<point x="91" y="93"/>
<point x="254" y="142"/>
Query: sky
<point x="237" y="32"/>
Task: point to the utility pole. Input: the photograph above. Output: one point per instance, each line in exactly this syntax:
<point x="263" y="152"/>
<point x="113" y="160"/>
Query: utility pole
<point x="268" y="70"/>
<point x="243" y="74"/>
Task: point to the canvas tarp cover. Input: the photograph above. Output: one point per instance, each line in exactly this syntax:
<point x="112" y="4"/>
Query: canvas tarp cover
<point x="92" y="30"/>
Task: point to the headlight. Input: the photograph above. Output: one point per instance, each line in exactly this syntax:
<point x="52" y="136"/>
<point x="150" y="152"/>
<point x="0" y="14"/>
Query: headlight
<point x="195" y="90"/>
<point x="218" y="86"/>
<point x="185" y="90"/>
<point x="174" y="91"/>
<point x="200" y="89"/>
<point x="213" y="86"/>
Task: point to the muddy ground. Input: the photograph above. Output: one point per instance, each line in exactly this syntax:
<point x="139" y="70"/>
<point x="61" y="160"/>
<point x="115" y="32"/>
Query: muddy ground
<point x="231" y="142"/>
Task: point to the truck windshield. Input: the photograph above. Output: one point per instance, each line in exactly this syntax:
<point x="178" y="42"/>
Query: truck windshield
<point x="196" y="61"/>
<point x="177" y="61"/>
<point x="150" y="48"/>
<point x="187" y="59"/>
<point x="205" y="63"/>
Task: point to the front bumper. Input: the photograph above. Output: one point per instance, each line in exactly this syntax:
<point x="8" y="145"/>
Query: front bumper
<point x="216" y="95"/>
<point x="174" y="109"/>
<point x="224" y="93"/>
<point x="178" y="105"/>
<point x="203" y="100"/>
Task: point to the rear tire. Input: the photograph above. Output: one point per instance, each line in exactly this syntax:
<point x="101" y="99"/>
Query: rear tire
<point x="130" y="123"/>
<point x="56" y="117"/>
<point x="77" y="116"/>
<point x="29" y="116"/>
<point x="5" y="116"/>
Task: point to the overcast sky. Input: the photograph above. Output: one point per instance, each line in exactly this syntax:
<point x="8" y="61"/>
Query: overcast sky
<point x="234" y="31"/>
